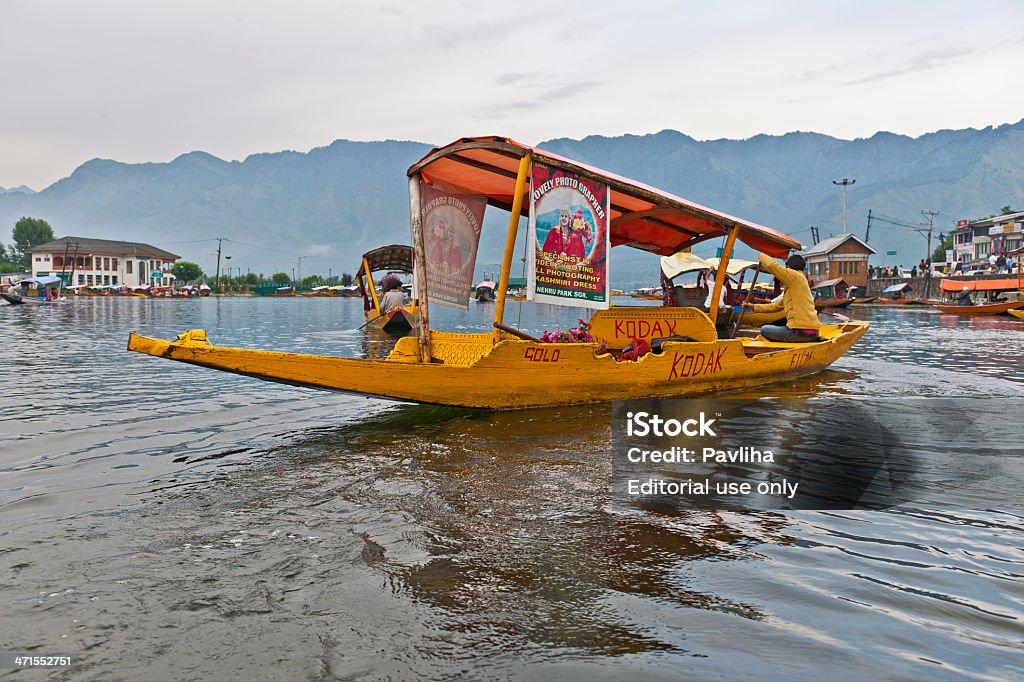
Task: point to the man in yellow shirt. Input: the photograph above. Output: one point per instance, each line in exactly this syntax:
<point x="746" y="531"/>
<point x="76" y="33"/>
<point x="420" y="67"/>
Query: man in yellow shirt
<point x="801" y="318"/>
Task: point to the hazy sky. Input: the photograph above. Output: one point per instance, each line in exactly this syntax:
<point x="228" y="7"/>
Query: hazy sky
<point x="147" y="81"/>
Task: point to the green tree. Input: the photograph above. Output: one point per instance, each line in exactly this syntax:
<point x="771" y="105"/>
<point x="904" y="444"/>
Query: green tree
<point x="346" y="279"/>
<point x="312" y="280"/>
<point x="280" y="277"/>
<point x="945" y="243"/>
<point x="186" y="271"/>
<point x="1005" y="209"/>
<point x="250" y="278"/>
<point x="30" y="232"/>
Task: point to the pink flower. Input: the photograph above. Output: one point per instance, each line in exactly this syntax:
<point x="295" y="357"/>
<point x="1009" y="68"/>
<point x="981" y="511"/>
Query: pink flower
<point x="580" y="334"/>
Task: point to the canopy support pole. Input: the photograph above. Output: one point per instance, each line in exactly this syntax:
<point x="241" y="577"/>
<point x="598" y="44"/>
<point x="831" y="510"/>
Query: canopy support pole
<point x="720" y="274"/>
<point x="370" y="286"/>
<point x="746" y="300"/>
<point x="510" y="242"/>
<point x="419" y="260"/>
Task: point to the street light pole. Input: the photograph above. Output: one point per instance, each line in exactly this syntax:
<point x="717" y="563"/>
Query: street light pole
<point x="844" y="182"/>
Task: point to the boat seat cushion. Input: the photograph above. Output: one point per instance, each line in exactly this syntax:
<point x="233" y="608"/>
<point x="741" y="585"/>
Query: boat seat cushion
<point x="656" y="344"/>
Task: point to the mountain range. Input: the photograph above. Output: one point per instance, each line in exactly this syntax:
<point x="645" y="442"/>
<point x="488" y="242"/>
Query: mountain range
<point x="332" y="203"/>
<point x="19" y="189"/>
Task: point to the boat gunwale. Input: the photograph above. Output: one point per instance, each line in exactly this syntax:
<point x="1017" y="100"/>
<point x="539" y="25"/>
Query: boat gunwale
<point x="767" y="349"/>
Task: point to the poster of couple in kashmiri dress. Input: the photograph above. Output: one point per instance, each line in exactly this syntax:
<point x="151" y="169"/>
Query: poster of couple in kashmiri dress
<point x="569" y="239"/>
<point x="451" y="235"/>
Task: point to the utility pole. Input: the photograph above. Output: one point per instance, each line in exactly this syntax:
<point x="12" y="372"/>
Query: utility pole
<point x="844" y="182"/>
<point x="64" y="263"/>
<point x="815" y="237"/>
<point x="928" y="257"/>
<point x="74" y="262"/>
<point x="298" y="265"/>
<point x="867" y="232"/>
<point x="219" y="242"/>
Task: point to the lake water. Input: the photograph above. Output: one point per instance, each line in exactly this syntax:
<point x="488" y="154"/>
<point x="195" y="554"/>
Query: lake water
<point x="165" y="521"/>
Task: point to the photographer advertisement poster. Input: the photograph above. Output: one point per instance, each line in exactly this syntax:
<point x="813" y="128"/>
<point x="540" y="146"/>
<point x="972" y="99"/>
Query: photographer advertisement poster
<point x="451" y="235"/>
<point x="569" y="239"/>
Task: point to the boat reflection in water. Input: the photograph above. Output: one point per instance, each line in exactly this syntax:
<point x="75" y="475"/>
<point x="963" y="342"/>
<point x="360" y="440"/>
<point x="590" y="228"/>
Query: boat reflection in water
<point x="263" y="530"/>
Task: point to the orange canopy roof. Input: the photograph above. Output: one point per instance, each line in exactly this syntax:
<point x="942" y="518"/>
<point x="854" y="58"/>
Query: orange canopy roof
<point x="641" y="216"/>
<point x="979" y="284"/>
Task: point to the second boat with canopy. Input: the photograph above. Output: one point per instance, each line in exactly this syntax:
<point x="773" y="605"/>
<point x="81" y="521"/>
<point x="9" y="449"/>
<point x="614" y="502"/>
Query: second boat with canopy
<point x="504" y="368"/>
<point x="396" y="258"/>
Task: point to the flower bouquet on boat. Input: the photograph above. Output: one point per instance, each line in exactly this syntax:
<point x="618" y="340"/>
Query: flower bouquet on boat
<point x="577" y="215"/>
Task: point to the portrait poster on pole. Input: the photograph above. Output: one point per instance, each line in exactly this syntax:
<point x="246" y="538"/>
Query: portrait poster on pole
<point x="451" y="235"/>
<point x="569" y="239"/>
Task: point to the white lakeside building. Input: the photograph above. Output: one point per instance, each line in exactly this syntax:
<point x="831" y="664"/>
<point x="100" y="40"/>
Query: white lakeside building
<point x="96" y="262"/>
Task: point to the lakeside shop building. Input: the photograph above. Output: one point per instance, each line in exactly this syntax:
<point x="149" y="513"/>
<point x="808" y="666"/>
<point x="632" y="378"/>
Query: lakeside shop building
<point x="85" y="261"/>
<point x="843" y="256"/>
<point x="975" y="240"/>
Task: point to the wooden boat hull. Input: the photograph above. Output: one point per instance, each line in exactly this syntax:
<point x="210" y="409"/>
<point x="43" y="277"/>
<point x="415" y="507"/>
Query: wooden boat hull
<point x="21" y="300"/>
<point x="900" y="301"/>
<point x="862" y="300"/>
<point x="470" y="370"/>
<point x="983" y="309"/>
<point x="821" y="304"/>
<point x="395" y="321"/>
<point x="1019" y="312"/>
<point x="749" y="318"/>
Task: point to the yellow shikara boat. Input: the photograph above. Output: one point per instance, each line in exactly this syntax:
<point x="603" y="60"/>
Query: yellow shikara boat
<point x="506" y="369"/>
<point x="393" y="258"/>
<point x="1017" y="313"/>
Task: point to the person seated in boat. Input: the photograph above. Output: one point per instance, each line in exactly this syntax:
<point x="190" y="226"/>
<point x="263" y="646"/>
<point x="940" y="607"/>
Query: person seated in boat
<point x="965" y="297"/>
<point x="709" y="278"/>
<point x="801" y="318"/>
<point x="393" y="296"/>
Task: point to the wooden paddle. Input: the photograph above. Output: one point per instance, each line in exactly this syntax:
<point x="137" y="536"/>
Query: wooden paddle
<point x="757" y="271"/>
<point x="841" y="318"/>
<point x="372" y="320"/>
<point x="515" y="332"/>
